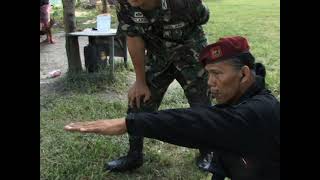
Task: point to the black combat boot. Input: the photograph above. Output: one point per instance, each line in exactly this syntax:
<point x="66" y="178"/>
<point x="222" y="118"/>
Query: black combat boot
<point x="204" y="160"/>
<point x="133" y="160"/>
<point x="208" y="161"/>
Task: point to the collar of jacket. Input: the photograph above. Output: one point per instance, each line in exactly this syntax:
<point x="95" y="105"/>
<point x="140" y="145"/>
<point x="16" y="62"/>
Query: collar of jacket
<point x="254" y="89"/>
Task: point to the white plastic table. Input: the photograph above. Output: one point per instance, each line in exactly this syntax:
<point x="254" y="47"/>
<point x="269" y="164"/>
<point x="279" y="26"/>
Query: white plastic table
<point x="92" y="34"/>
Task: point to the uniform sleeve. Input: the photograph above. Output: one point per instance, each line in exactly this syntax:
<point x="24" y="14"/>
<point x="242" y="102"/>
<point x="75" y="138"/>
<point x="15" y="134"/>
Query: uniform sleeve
<point x="126" y="25"/>
<point x="202" y="127"/>
<point x="201" y="11"/>
<point x="195" y="11"/>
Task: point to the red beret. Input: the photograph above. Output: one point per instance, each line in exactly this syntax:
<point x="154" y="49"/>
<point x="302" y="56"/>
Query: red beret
<point x="224" y="48"/>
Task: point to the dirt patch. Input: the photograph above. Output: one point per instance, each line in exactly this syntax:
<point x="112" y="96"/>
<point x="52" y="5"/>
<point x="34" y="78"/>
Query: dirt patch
<point x="54" y="57"/>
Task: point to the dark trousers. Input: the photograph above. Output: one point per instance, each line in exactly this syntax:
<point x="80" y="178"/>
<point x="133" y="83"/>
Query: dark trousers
<point x="192" y="79"/>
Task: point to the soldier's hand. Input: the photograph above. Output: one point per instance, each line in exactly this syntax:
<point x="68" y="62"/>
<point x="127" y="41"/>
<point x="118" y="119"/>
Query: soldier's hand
<point x="136" y="92"/>
<point x="104" y="127"/>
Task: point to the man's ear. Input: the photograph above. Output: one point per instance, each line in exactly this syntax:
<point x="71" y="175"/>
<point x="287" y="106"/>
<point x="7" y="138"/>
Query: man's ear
<point x="245" y="73"/>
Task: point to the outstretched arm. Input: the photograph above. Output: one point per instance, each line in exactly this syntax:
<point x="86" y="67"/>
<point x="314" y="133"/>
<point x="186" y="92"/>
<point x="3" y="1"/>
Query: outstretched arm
<point x="194" y="127"/>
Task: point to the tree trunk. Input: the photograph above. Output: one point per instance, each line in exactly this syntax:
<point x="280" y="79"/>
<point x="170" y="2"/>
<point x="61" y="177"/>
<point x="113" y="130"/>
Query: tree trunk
<point x="104" y="6"/>
<point x="78" y="2"/>
<point x="92" y="2"/>
<point x="72" y="44"/>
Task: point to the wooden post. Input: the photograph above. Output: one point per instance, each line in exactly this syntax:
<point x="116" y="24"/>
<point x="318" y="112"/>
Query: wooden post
<point x="92" y="2"/>
<point x="105" y="7"/>
<point x="72" y="44"/>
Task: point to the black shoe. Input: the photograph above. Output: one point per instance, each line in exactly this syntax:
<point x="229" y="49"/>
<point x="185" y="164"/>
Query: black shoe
<point x="204" y="161"/>
<point x="208" y="162"/>
<point x="125" y="163"/>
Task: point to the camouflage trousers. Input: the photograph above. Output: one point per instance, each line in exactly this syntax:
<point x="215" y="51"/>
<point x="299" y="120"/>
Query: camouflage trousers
<point x="186" y="70"/>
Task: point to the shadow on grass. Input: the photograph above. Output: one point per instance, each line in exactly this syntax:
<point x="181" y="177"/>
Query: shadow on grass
<point x="88" y="83"/>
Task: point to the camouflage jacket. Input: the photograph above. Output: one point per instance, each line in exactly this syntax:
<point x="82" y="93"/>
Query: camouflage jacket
<point x="175" y="24"/>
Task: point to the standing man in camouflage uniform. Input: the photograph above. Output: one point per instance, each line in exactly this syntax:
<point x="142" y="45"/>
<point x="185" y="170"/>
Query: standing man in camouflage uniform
<point x="164" y="40"/>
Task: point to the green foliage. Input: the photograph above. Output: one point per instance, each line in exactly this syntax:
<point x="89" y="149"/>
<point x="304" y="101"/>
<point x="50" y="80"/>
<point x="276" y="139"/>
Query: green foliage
<point x="85" y="17"/>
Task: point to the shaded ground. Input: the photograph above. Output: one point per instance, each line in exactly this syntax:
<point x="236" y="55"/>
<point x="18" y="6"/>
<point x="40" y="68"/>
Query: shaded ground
<point x="53" y="57"/>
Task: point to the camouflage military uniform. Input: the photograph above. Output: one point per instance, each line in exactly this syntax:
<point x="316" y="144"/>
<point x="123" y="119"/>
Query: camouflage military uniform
<point x="173" y="41"/>
<point x="173" y="38"/>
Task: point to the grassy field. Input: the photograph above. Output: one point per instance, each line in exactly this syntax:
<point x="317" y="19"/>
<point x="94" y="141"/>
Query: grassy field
<point x="81" y="157"/>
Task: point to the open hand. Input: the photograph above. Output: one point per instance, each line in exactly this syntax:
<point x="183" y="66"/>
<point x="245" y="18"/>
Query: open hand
<point x="136" y="92"/>
<point x="104" y="127"/>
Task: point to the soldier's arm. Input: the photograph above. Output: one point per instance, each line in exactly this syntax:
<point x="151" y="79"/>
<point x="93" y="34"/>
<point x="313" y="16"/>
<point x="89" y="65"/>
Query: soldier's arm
<point x="136" y="45"/>
<point x="136" y="49"/>
<point x="135" y="42"/>
<point x="197" y="12"/>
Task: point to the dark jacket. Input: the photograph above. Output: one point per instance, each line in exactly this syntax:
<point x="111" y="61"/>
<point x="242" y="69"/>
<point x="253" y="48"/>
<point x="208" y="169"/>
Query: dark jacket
<point x="246" y="134"/>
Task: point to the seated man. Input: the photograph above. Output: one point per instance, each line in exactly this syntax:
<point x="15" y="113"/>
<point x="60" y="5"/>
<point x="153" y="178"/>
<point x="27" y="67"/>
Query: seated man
<point x="244" y="126"/>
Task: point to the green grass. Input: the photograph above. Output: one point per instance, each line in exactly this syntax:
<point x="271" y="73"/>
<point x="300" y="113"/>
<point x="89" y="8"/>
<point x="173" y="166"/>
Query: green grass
<point x="81" y="97"/>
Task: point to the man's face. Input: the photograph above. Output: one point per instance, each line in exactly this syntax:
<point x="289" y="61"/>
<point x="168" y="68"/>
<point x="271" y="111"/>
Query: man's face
<point x="136" y="3"/>
<point x="224" y="81"/>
